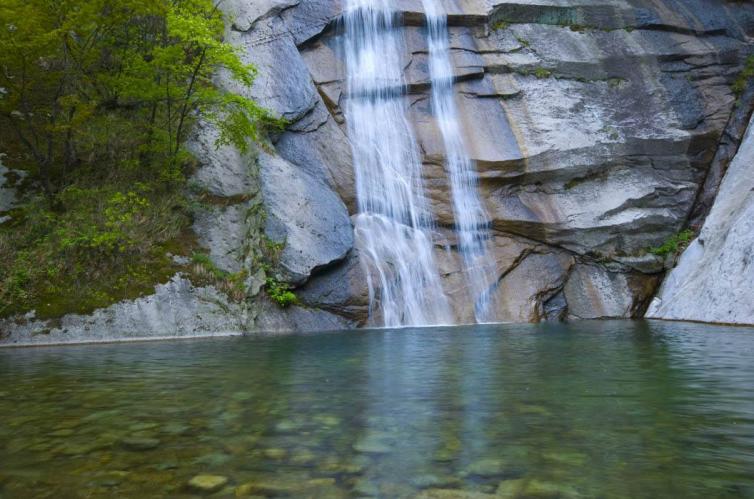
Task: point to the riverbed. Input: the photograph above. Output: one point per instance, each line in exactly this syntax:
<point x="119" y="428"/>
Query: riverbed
<point x="585" y="409"/>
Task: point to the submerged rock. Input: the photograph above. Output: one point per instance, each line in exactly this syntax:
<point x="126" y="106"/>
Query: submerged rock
<point x="275" y="453"/>
<point x="292" y="485"/>
<point x="510" y="489"/>
<point x="374" y="443"/>
<point x="487" y="467"/>
<point x="453" y="494"/>
<point x="140" y="443"/>
<point x="431" y="480"/>
<point x="207" y="483"/>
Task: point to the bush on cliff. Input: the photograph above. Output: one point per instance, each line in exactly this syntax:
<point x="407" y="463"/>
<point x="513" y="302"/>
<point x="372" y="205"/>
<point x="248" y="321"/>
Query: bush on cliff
<point x="97" y="99"/>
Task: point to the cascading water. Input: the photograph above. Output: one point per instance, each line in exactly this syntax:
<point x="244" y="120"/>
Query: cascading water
<point x="393" y="227"/>
<point x="472" y="221"/>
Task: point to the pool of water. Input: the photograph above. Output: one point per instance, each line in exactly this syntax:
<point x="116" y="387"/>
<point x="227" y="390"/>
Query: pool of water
<point x="592" y="409"/>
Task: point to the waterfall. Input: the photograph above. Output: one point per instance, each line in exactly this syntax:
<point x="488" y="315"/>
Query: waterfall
<point x="394" y="225"/>
<point x="471" y="219"/>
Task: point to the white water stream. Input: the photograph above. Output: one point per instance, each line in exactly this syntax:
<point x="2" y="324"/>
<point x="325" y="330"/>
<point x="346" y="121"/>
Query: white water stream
<point x="471" y="219"/>
<point x="394" y="225"/>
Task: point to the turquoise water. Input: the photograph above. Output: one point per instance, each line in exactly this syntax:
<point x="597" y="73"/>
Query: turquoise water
<point x="593" y="409"/>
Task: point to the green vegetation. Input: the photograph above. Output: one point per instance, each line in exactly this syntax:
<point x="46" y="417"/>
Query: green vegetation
<point x="500" y="25"/>
<point x="524" y="42"/>
<point x="205" y="272"/>
<point x="97" y="100"/>
<point x="280" y="292"/>
<point x="740" y="83"/>
<point x="540" y="73"/>
<point x="615" y="82"/>
<point x="675" y="244"/>
<point x="573" y="183"/>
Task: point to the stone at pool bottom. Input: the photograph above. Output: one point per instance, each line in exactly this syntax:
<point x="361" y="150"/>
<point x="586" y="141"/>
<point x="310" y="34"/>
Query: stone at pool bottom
<point x="374" y="443"/>
<point x="454" y="494"/>
<point x="525" y="487"/>
<point x="487" y="467"/>
<point x="437" y="481"/>
<point x="140" y="443"/>
<point x="207" y="483"/>
<point x="276" y="486"/>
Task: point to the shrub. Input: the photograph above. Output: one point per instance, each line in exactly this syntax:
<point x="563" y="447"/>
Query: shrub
<point x="280" y="292"/>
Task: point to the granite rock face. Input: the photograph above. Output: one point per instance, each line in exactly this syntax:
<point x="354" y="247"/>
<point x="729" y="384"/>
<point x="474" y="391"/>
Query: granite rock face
<point x="713" y="279"/>
<point x="303" y="215"/>
<point x="593" y="125"/>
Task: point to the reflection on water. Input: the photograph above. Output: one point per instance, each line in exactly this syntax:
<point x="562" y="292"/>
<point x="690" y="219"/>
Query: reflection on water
<point x="599" y="409"/>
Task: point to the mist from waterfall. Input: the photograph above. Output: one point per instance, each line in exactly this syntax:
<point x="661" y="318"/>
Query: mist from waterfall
<point x="394" y="224"/>
<point x="471" y="219"/>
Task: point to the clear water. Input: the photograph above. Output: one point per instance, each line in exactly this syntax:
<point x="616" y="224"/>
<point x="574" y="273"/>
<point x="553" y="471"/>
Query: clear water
<point x="394" y="225"/>
<point x="596" y="409"/>
<point x="471" y="218"/>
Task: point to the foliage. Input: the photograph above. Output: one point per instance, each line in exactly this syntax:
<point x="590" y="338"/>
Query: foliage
<point x="204" y="271"/>
<point x="539" y="73"/>
<point x="523" y="41"/>
<point x="615" y="82"/>
<point x="280" y="292"/>
<point x="109" y="243"/>
<point x="740" y="83"/>
<point x="107" y="80"/>
<point x="674" y="245"/>
<point x="97" y="100"/>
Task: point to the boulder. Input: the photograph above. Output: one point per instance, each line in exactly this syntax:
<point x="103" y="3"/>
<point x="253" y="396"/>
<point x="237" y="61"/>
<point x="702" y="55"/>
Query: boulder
<point x="295" y="319"/>
<point x="305" y="215"/>
<point x="592" y="292"/>
<point x="206" y="484"/>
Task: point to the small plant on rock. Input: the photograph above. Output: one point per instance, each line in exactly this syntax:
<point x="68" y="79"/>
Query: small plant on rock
<point x="739" y="85"/>
<point x="675" y="244"/>
<point x="280" y="292"/>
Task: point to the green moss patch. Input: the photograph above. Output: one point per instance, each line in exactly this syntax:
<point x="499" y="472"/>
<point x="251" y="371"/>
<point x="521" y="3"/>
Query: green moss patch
<point x="674" y="245"/>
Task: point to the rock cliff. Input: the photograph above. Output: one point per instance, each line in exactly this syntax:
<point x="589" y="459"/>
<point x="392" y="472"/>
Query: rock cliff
<point x="713" y="279"/>
<point x="593" y="125"/>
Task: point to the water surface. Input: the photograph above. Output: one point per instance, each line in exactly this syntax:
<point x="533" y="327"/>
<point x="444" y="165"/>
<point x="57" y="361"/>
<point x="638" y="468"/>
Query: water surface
<point x="593" y="409"/>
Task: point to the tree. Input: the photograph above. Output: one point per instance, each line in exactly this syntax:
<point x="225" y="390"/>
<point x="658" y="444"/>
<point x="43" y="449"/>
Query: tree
<point x="118" y="82"/>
